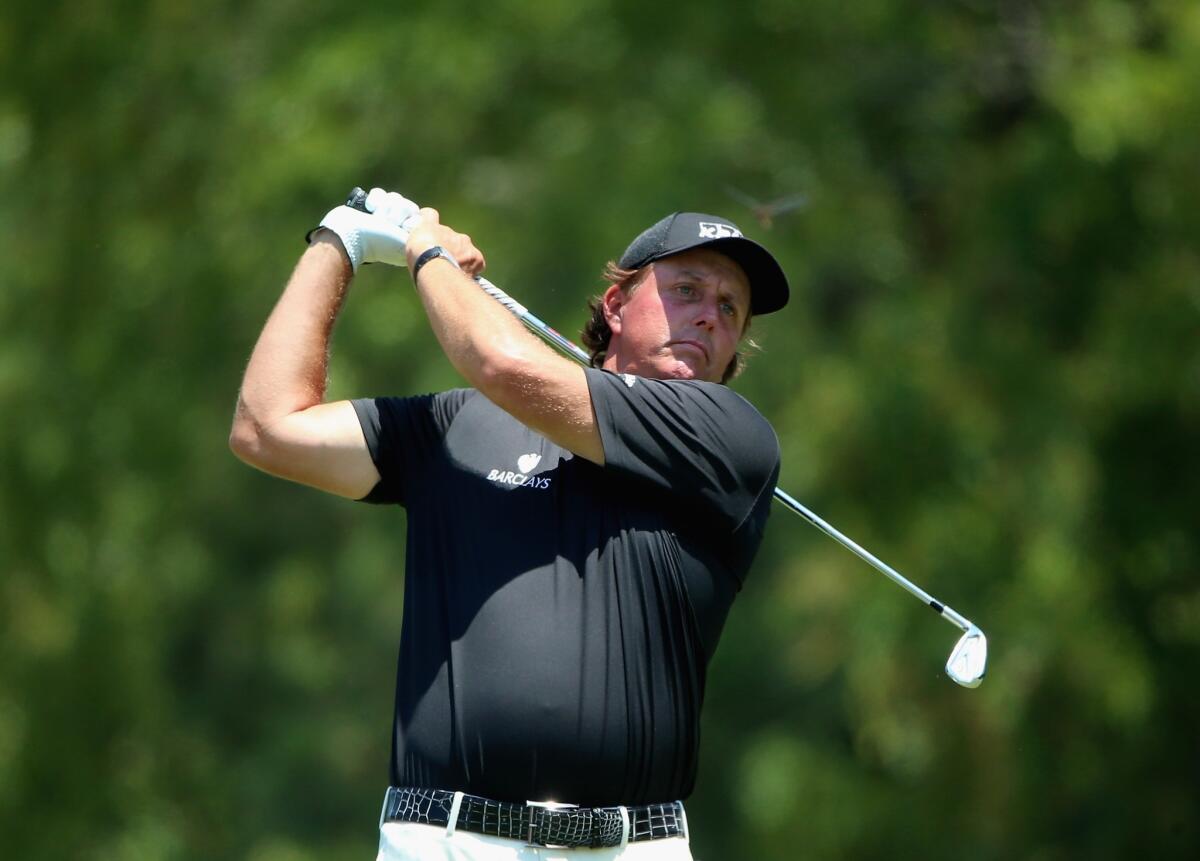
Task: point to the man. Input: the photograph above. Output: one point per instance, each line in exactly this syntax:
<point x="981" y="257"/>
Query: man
<point x="575" y="536"/>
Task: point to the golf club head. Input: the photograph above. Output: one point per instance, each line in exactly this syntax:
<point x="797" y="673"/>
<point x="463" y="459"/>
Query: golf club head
<point x="968" y="661"/>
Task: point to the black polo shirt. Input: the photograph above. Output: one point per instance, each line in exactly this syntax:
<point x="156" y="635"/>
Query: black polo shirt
<point x="559" y="616"/>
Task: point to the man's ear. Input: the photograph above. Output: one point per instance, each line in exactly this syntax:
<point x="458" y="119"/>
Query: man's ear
<point x="611" y="302"/>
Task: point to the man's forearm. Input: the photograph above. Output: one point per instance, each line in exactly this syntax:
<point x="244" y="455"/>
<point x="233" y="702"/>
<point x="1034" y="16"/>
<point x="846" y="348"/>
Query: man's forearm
<point x="480" y="337"/>
<point x="287" y="369"/>
<point x="502" y="359"/>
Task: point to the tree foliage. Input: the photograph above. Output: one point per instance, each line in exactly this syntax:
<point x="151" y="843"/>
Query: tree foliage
<point x="989" y="375"/>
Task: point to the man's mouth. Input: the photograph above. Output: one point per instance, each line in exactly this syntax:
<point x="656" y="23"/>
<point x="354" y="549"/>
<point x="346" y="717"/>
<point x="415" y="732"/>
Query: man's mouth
<point x="696" y="344"/>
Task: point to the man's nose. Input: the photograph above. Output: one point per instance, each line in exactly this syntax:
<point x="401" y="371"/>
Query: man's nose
<point x="706" y="314"/>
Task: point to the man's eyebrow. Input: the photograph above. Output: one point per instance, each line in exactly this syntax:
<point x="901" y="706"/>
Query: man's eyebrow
<point x="695" y="276"/>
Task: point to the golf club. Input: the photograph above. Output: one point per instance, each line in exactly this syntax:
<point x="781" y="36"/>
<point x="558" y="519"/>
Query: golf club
<point x="967" y="663"/>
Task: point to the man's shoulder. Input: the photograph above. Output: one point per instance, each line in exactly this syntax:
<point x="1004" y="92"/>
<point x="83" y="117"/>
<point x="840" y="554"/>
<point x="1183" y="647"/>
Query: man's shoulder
<point x="703" y="412"/>
<point x="453" y="398"/>
<point x="714" y="391"/>
<point x="704" y="393"/>
<point x="404" y="414"/>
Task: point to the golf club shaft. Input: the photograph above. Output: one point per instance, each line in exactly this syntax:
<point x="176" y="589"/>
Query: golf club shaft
<point x="946" y="612"/>
<point x="358" y="198"/>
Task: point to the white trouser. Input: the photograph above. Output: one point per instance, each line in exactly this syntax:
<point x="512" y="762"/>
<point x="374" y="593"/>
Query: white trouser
<point x="409" y="841"/>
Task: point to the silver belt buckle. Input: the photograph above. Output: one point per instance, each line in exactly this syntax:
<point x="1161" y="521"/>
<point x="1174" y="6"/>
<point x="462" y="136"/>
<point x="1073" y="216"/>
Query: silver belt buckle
<point x="533" y="814"/>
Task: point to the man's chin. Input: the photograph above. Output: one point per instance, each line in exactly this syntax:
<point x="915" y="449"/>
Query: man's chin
<point x="674" y="368"/>
<point x="689" y="363"/>
<point x="683" y="370"/>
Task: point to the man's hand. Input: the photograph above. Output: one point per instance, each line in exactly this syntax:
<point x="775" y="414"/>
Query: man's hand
<point x="378" y="236"/>
<point x="428" y="231"/>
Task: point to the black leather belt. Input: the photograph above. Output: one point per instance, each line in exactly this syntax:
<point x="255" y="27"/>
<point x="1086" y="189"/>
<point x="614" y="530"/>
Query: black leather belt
<point x="536" y="823"/>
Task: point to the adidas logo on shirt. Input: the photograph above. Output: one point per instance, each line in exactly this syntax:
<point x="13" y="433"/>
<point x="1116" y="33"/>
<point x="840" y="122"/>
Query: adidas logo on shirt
<point x="525" y="463"/>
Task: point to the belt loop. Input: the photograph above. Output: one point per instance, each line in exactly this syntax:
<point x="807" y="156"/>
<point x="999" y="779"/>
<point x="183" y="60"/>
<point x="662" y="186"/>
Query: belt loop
<point x="624" y="811"/>
<point x="452" y="822"/>
<point x="683" y="821"/>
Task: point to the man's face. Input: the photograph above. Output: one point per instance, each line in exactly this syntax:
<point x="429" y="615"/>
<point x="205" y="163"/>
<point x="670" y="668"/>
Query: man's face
<point x="683" y="321"/>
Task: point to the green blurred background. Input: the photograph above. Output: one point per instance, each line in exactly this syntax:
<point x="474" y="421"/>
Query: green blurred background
<point x="989" y="375"/>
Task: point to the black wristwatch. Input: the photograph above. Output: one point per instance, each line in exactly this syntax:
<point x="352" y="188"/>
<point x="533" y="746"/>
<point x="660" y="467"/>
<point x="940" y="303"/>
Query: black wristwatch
<point x="431" y="254"/>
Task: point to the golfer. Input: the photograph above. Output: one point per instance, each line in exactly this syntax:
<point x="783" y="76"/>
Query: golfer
<point x="575" y="536"/>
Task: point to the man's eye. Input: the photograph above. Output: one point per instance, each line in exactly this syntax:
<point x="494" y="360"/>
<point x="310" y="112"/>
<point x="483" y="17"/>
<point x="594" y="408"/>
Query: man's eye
<point x="686" y="289"/>
<point x="728" y="308"/>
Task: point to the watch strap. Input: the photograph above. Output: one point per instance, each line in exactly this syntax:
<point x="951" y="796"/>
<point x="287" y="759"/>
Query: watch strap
<point x="429" y="254"/>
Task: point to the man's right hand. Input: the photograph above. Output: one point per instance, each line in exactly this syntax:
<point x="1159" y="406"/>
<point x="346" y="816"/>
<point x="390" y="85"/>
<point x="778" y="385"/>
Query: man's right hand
<point x="378" y="236"/>
<point x="428" y="231"/>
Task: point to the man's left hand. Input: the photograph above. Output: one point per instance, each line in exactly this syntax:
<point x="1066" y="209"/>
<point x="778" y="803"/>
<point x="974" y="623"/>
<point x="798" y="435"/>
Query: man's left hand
<point x="377" y="235"/>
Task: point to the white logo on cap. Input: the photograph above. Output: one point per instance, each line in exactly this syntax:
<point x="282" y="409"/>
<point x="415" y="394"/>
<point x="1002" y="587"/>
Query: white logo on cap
<point x="713" y="230"/>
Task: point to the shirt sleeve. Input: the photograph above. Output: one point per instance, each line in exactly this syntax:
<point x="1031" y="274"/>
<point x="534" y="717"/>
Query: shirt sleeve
<point x="699" y="441"/>
<point x="403" y="436"/>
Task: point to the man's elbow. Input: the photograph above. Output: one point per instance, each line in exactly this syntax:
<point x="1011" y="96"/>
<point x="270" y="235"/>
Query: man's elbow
<point x="242" y="441"/>
<point x="247" y="441"/>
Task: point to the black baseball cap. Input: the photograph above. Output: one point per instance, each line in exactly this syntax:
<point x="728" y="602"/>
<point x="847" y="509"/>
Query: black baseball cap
<point x="682" y="231"/>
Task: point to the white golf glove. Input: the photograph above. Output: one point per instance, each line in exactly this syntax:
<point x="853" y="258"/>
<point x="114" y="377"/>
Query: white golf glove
<point x="377" y="236"/>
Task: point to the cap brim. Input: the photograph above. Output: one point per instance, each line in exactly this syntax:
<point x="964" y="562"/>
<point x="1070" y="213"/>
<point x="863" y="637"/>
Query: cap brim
<point x="768" y="285"/>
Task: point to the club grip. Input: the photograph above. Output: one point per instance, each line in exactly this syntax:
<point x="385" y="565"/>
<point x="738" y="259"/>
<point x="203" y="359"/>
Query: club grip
<point x="357" y="199"/>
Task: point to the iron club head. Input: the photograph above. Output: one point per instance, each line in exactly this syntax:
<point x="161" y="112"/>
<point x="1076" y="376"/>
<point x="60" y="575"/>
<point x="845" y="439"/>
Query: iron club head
<point x="968" y="661"/>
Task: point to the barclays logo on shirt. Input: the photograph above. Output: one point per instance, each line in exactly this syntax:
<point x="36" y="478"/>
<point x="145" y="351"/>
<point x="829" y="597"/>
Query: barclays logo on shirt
<point x="525" y="463"/>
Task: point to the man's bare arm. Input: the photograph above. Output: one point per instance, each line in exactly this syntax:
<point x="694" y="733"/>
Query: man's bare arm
<point x="497" y="355"/>
<point x="282" y="425"/>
